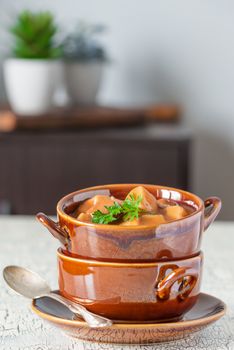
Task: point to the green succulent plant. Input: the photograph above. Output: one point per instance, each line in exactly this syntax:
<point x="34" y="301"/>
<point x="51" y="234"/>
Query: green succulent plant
<point x="33" y="35"/>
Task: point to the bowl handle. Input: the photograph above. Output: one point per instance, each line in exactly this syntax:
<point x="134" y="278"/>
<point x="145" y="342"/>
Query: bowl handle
<point x="187" y="280"/>
<point x="212" y="208"/>
<point x="54" y="228"/>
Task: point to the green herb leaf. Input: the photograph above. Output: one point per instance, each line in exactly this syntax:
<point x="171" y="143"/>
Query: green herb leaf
<point x="105" y="218"/>
<point x="129" y="210"/>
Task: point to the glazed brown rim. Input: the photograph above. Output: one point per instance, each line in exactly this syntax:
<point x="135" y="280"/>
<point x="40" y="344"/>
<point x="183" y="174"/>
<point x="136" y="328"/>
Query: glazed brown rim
<point x="197" y="322"/>
<point x="120" y="264"/>
<point x="71" y="219"/>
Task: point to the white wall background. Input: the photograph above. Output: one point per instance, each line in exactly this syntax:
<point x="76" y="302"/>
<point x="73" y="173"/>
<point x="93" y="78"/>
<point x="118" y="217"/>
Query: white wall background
<point x="169" y="50"/>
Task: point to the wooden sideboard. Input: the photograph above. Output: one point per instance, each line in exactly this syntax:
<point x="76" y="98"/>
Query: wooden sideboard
<point x="39" y="167"/>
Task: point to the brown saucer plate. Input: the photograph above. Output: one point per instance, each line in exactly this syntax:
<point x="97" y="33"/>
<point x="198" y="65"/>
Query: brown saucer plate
<point x="207" y="310"/>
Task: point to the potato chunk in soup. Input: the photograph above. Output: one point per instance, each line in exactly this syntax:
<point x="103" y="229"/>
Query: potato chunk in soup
<point x="98" y="202"/>
<point x="148" y="202"/>
<point x="175" y="212"/>
<point x="84" y="217"/>
<point x="156" y="220"/>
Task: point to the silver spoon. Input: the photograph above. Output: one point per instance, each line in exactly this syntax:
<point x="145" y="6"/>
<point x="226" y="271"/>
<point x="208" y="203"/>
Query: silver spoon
<point x="31" y="285"/>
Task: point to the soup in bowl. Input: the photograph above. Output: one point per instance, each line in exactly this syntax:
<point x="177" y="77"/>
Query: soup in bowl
<point x="131" y="222"/>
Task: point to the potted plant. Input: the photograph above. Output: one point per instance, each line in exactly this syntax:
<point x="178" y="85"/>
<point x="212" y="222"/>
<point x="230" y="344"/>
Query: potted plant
<point x="30" y="69"/>
<point x="84" y="62"/>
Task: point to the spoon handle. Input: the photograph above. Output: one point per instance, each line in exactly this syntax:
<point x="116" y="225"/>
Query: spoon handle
<point x="92" y="319"/>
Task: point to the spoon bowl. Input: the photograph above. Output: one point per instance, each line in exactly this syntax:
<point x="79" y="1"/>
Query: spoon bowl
<point x="25" y="282"/>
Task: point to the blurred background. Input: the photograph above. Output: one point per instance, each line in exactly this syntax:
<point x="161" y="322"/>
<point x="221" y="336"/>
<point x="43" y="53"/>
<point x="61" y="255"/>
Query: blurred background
<point x="115" y="91"/>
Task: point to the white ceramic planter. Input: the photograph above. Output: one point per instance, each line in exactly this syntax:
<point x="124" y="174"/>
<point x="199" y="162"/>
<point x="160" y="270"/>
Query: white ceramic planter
<point x="30" y="85"/>
<point x="83" y="80"/>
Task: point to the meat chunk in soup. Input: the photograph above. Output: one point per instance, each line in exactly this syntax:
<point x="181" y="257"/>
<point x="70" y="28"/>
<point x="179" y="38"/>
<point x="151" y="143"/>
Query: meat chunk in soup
<point x="163" y="203"/>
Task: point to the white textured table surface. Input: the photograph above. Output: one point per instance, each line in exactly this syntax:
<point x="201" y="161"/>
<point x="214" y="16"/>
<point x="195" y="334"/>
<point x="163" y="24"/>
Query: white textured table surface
<point x="24" y="242"/>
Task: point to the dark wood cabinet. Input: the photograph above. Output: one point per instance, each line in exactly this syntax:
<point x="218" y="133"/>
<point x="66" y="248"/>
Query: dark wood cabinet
<point x="38" y="168"/>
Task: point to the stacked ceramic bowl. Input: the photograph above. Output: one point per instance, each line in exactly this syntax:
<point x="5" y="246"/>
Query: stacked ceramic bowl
<point x="132" y="273"/>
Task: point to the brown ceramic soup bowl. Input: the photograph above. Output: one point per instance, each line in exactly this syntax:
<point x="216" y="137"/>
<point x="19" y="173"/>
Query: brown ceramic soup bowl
<point x="159" y="291"/>
<point x="173" y="240"/>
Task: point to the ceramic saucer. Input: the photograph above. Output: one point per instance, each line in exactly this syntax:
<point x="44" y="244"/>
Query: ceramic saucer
<point x="207" y="310"/>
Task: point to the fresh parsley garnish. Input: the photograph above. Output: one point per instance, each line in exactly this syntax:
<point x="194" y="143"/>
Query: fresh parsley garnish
<point x="130" y="208"/>
<point x="128" y="211"/>
<point x="104" y="218"/>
